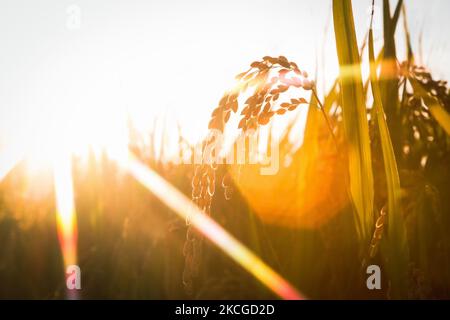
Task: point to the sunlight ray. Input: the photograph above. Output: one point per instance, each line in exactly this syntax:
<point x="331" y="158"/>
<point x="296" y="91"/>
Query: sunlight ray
<point x="184" y="207"/>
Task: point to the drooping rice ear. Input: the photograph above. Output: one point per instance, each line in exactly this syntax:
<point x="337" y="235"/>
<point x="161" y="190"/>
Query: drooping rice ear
<point x="354" y="118"/>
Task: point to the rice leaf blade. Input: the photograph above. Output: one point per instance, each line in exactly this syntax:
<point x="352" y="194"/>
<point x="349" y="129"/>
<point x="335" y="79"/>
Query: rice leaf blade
<point x="354" y="117"/>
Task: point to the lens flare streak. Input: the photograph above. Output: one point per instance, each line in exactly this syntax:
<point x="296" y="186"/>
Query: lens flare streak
<point x="184" y="207"/>
<point x="65" y="213"/>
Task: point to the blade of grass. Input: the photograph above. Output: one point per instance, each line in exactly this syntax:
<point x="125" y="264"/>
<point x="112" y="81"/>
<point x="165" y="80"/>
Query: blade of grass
<point x="397" y="248"/>
<point x="439" y="113"/>
<point x="410" y="54"/>
<point x="389" y="81"/>
<point x="354" y="117"/>
<point x="396" y="15"/>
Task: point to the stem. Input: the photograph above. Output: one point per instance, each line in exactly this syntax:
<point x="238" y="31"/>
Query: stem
<point x="326" y="117"/>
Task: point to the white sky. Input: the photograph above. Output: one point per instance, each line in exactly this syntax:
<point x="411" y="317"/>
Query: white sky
<point x="170" y="58"/>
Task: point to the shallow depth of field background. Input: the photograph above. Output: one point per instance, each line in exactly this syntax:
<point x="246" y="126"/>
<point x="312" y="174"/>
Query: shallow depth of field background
<point x="148" y="74"/>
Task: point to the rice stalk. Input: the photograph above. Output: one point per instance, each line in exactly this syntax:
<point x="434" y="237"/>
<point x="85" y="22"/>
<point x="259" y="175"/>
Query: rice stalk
<point x="354" y="118"/>
<point x="397" y="249"/>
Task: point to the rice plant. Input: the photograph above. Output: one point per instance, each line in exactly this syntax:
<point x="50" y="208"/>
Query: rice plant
<point x="367" y="185"/>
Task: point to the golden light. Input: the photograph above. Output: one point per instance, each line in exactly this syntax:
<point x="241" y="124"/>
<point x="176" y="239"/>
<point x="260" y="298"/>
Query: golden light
<point x="65" y="212"/>
<point x="59" y="154"/>
<point x="184" y="207"/>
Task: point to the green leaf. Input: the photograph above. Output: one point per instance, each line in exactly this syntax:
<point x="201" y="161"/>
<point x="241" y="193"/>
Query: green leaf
<point x="396" y="248"/>
<point x="354" y="117"/>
